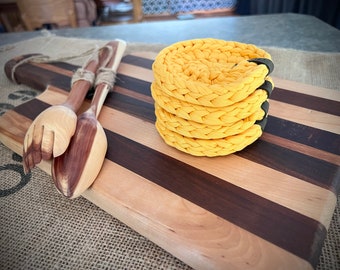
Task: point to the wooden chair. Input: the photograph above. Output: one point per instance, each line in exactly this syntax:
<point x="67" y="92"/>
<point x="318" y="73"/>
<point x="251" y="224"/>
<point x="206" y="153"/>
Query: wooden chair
<point x="137" y="10"/>
<point x="10" y="17"/>
<point x="36" y="13"/>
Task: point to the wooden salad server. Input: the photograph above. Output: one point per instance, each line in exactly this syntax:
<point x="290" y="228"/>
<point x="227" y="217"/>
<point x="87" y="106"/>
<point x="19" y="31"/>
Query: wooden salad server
<point x="50" y="132"/>
<point x="77" y="168"/>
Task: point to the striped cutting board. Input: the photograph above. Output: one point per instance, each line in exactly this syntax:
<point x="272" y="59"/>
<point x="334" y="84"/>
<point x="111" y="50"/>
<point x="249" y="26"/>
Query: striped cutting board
<point x="266" y="207"/>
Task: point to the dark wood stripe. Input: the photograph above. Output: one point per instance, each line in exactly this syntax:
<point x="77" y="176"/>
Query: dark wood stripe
<point x="138" y="61"/>
<point x="141" y="109"/>
<point x="65" y="66"/>
<point x="306" y="101"/>
<point x="38" y="78"/>
<point x="128" y="59"/>
<point x="279" y="225"/>
<point x="32" y="108"/>
<point x="138" y="108"/>
<point x="137" y="85"/>
<point x="317" y="138"/>
<point x="301" y="148"/>
<point x="290" y="162"/>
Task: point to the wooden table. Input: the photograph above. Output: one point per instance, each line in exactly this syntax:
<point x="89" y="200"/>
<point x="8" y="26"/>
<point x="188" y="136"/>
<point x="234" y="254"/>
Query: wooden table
<point x="265" y="206"/>
<point x="300" y="32"/>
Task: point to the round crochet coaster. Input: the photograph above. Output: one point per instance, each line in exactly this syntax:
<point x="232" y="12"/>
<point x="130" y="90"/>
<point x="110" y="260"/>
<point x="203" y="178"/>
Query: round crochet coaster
<point x="211" y="95"/>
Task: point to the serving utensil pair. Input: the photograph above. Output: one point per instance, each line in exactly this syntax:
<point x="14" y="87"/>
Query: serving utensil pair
<point x="76" y="144"/>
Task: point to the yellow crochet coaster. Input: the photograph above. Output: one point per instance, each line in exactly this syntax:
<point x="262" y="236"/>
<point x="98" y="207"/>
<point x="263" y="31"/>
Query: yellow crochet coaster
<point x="211" y="95"/>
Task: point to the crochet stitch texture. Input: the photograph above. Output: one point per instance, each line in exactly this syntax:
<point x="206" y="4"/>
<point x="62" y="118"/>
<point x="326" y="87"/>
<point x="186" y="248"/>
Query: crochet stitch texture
<point x="211" y="95"/>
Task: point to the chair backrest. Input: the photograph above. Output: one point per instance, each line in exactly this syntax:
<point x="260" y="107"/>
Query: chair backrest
<point x="86" y="12"/>
<point x="36" y="13"/>
<point x="137" y="10"/>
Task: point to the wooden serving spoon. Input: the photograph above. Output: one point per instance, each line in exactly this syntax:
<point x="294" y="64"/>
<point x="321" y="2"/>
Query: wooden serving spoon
<point x="51" y="131"/>
<point x="76" y="169"/>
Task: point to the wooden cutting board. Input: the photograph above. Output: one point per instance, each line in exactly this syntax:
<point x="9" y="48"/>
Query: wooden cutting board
<point x="266" y="207"/>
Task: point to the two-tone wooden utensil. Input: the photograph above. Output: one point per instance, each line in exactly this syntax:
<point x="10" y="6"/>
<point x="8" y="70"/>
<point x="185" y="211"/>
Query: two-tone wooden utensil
<point x="50" y="133"/>
<point x="76" y="169"/>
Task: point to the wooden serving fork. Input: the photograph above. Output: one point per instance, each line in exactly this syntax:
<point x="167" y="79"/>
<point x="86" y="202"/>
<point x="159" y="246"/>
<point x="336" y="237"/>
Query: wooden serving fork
<point x="50" y="132"/>
<point x="76" y="169"/>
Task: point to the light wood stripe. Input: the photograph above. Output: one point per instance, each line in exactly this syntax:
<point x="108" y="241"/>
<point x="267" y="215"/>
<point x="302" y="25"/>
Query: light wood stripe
<point x="302" y="148"/>
<point x="53" y="93"/>
<point x="307" y="89"/>
<point x="133" y="94"/>
<point x="54" y="68"/>
<point x="137" y="72"/>
<point x="306" y="101"/>
<point x="305" y="116"/>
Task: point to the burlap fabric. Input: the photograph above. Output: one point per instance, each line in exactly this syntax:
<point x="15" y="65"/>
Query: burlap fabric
<point x="40" y="229"/>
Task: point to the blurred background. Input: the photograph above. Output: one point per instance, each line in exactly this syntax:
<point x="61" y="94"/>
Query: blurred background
<point x="30" y="15"/>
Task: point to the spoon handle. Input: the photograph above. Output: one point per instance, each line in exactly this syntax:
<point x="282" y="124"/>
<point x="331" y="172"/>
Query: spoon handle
<point x="106" y="76"/>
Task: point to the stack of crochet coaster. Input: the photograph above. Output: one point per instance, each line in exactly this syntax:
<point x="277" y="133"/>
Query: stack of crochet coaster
<point x="211" y="95"/>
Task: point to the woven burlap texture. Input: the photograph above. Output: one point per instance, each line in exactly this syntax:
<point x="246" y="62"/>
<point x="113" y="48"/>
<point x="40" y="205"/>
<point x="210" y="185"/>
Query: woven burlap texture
<point x="40" y="229"/>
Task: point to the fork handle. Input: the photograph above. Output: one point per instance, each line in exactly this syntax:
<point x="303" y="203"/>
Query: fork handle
<point x="79" y="89"/>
